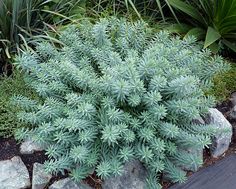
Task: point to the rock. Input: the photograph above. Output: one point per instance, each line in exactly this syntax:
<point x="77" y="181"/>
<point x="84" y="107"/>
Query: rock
<point x="14" y="174"/>
<point x="68" y="183"/>
<point x="198" y="121"/>
<point x="40" y="178"/>
<point x="29" y="147"/>
<point x="221" y="140"/>
<point x="133" y="177"/>
<point x="232" y="107"/>
<point x="232" y="114"/>
<point x="233" y="99"/>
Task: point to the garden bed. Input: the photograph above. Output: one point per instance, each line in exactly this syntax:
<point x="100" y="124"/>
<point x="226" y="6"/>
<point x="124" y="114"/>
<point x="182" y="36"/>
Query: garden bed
<point x="10" y="148"/>
<point x="101" y="93"/>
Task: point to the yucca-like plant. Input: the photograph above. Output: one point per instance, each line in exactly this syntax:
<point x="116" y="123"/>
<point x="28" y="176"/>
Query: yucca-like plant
<point x="113" y="93"/>
<point x="213" y="21"/>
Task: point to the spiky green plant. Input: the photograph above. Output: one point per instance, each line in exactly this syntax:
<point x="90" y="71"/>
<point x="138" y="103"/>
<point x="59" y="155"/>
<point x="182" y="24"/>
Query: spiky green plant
<point x="113" y="93"/>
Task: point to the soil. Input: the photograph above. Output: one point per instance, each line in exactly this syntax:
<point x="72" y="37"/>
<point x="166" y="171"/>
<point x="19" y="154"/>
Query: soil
<point x="10" y="148"/>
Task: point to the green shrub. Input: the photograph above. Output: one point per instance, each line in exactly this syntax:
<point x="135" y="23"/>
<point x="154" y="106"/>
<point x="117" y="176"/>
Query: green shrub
<point x="10" y="86"/>
<point x="224" y="84"/>
<point x="114" y="93"/>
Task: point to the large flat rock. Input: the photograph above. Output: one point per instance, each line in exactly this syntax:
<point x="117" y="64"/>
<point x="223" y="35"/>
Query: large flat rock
<point x="29" y="147"/>
<point x="68" y="183"/>
<point x="221" y="140"/>
<point x="40" y="177"/>
<point x="221" y="175"/>
<point x="133" y="177"/>
<point x="14" y="174"/>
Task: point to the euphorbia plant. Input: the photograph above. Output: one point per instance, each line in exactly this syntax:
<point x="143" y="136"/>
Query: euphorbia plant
<point x="114" y="93"/>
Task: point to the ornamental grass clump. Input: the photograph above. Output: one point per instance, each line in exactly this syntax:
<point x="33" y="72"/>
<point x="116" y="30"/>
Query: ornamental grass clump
<point x="116" y="92"/>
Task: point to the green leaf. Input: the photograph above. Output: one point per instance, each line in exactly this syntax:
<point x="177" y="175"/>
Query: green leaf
<point x="178" y="28"/>
<point x="160" y="9"/>
<point x="171" y="10"/>
<point x="214" y="47"/>
<point x="187" y="9"/>
<point x="133" y="6"/>
<point x="229" y="44"/>
<point x="211" y="36"/>
<point x="199" y="33"/>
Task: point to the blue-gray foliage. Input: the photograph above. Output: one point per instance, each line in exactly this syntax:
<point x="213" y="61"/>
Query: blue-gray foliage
<point x="115" y="92"/>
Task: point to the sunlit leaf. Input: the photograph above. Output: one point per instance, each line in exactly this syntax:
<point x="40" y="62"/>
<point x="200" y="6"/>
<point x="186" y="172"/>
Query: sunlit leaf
<point x="211" y="36"/>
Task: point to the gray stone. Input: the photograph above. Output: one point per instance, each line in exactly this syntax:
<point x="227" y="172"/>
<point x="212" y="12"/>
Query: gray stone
<point x="133" y="177"/>
<point x="233" y="99"/>
<point x="222" y="139"/>
<point x="29" y="147"/>
<point x="14" y="174"/>
<point x="40" y="177"/>
<point x="68" y="183"/>
<point x="198" y="121"/>
<point x="232" y="114"/>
